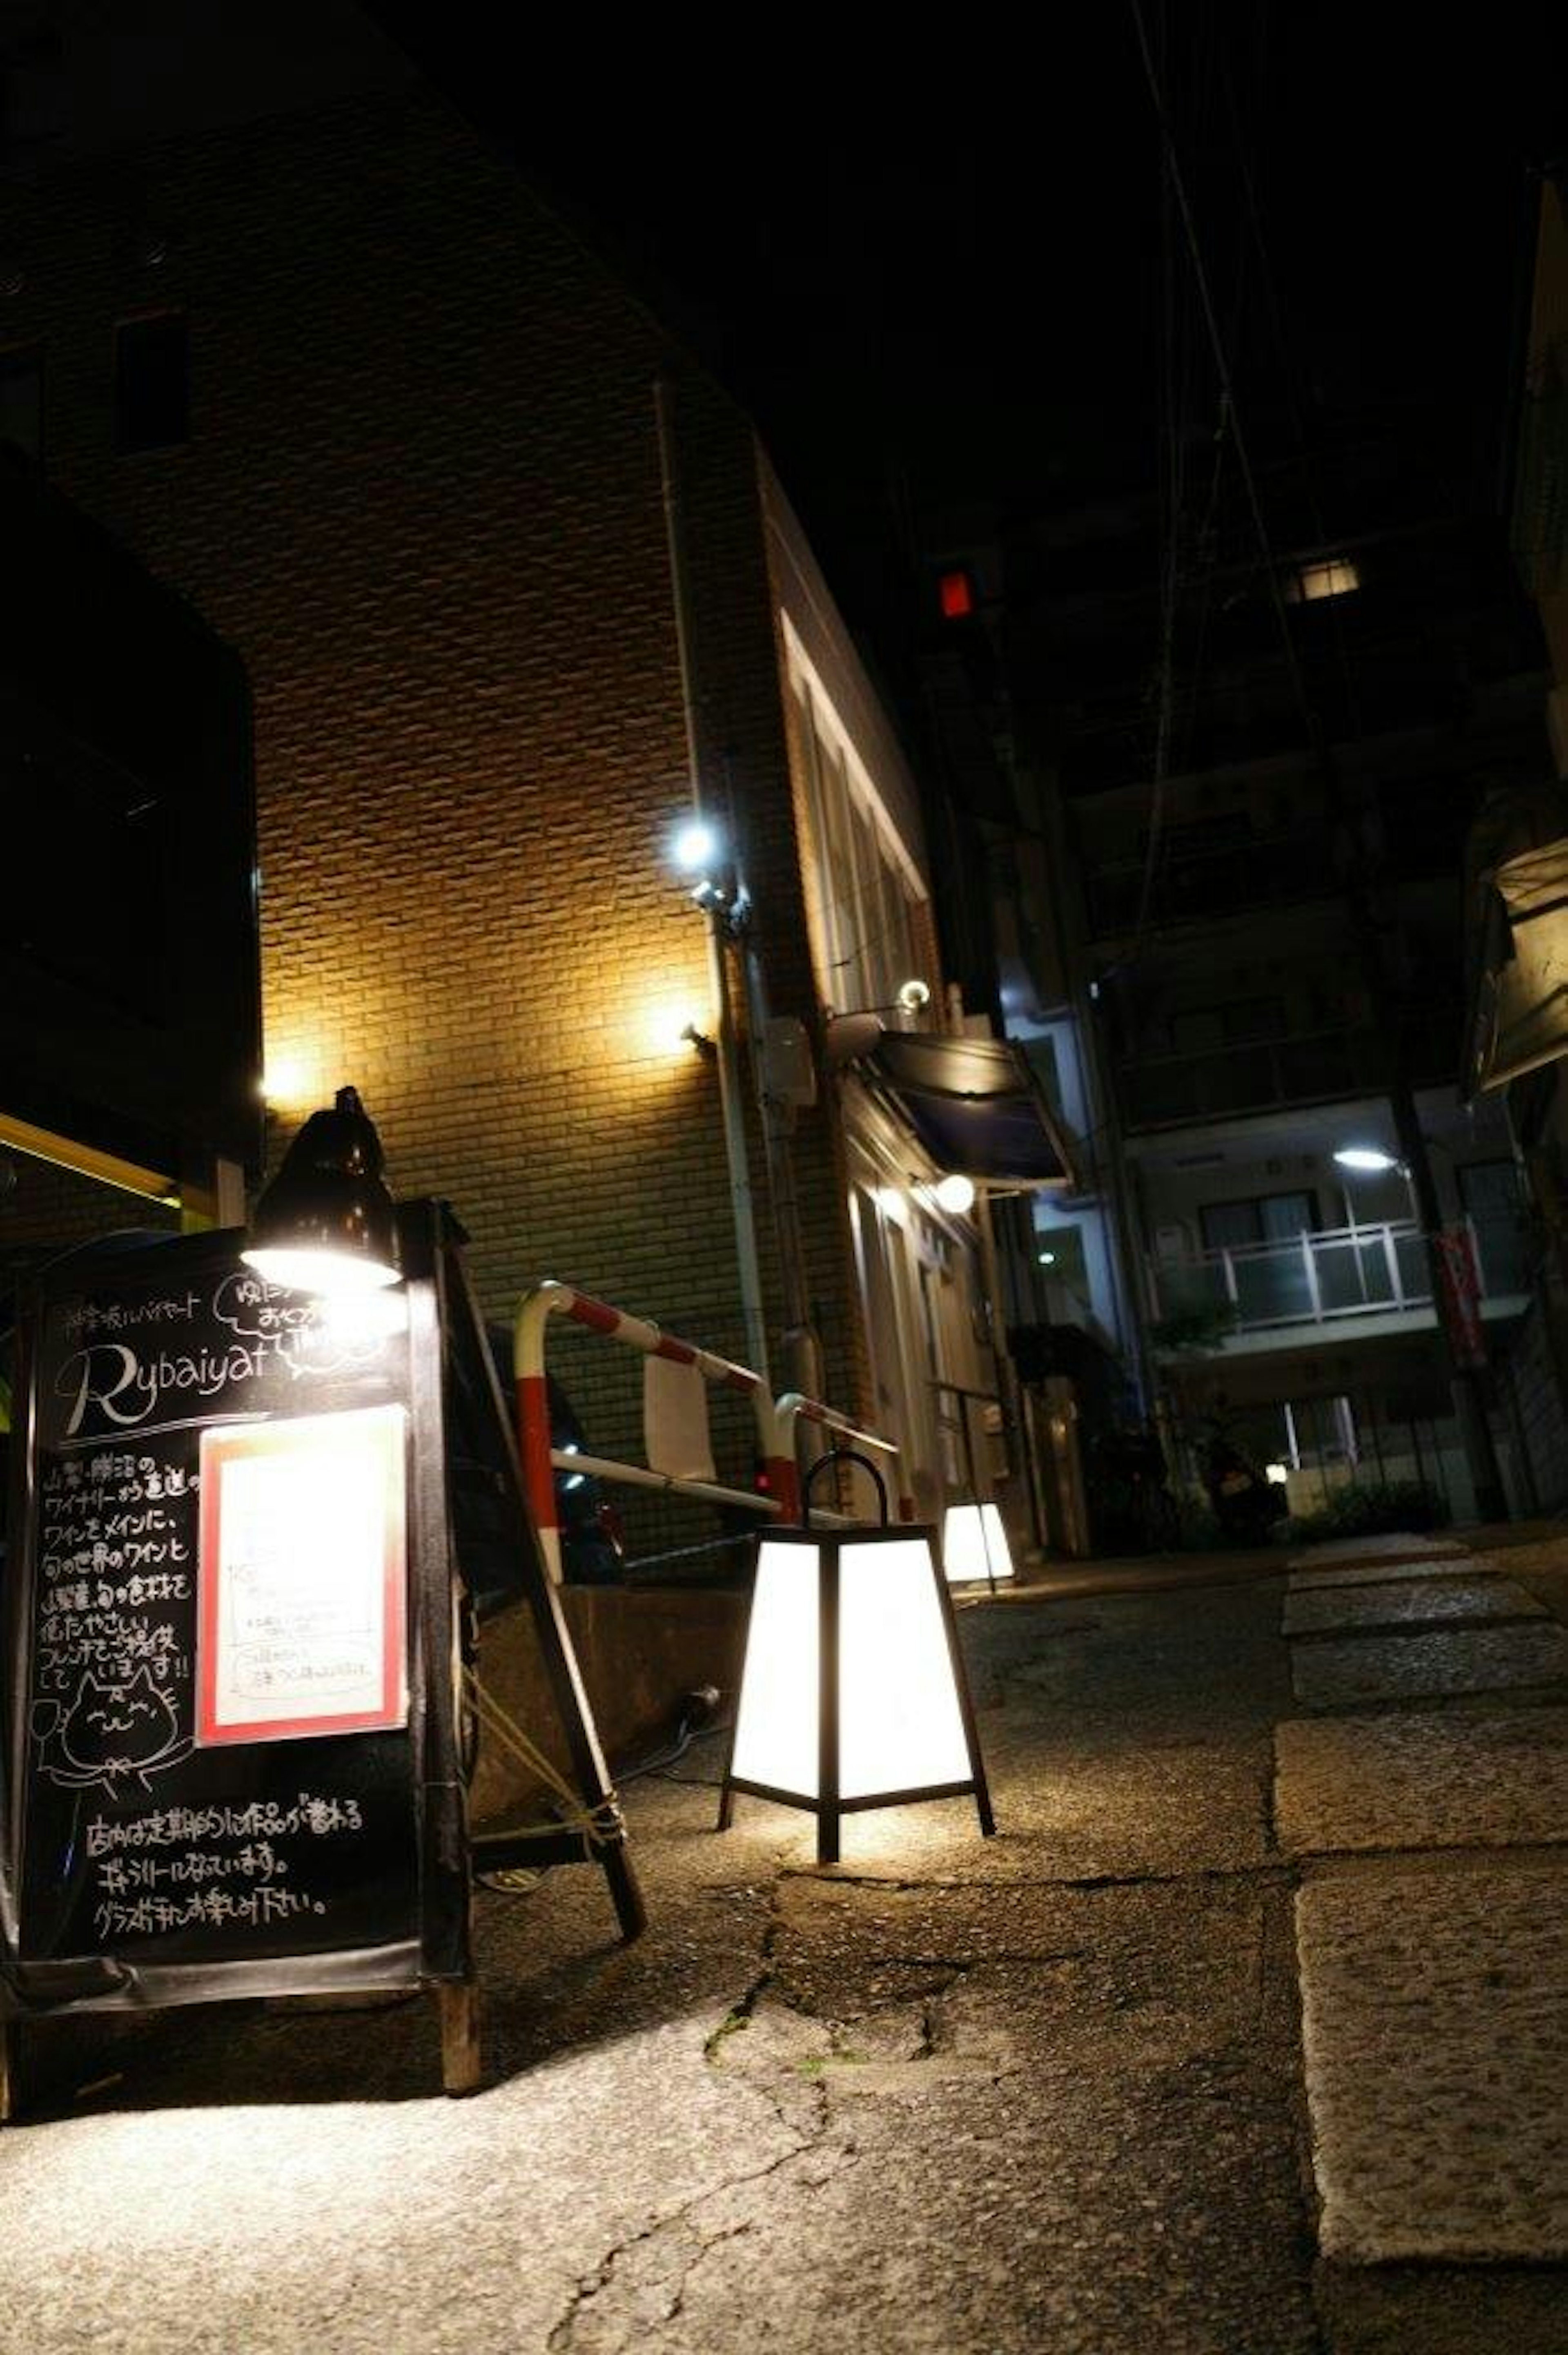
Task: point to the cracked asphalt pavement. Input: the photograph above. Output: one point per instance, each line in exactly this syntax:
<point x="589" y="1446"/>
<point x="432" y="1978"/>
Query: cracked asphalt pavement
<point x="1041" y="2093"/>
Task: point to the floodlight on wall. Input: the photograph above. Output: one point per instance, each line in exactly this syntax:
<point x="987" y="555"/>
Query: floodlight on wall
<point x="326" y="1223"/>
<point x="853" y="1695"/>
<point x="975" y="1552"/>
<point x="697" y="848"/>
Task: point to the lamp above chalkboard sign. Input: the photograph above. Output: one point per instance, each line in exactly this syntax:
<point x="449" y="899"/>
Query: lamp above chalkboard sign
<point x="326" y="1222"/>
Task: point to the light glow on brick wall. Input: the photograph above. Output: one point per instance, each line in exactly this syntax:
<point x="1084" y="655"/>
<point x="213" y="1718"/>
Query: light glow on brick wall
<point x="293" y="1080"/>
<point x="664" y="1026"/>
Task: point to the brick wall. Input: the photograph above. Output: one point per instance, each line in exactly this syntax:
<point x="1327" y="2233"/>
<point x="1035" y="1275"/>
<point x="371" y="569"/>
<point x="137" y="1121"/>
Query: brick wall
<point x="422" y="496"/>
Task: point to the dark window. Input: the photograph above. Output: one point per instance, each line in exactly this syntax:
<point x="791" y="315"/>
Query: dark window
<point x="22" y="402"/>
<point x="151" y="382"/>
<point x="1265" y="1219"/>
<point x="1244" y="1020"/>
<point x="33" y="109"/>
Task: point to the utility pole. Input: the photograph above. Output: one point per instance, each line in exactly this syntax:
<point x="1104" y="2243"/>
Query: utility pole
<point x="1467" y="1382"/>
<point x="732" y="924"/>
<point x="801" y="1344"/>
<point x="719" y="915"/>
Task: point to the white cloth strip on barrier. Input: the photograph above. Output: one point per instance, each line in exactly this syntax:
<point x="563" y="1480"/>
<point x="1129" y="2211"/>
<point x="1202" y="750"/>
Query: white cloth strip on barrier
<point x="675" y="1434"/>
<point x="634" y="1475"/>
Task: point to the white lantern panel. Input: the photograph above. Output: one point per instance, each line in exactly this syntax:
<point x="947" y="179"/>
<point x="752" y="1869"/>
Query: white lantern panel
<point x="974" y="1545"/>
<point x="899" y="1726"/>
<point x="776" y="1724"/>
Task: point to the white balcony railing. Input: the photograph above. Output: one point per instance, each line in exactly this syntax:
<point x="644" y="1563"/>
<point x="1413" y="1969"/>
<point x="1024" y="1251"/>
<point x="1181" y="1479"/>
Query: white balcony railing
<point x="1335" y="1272"/>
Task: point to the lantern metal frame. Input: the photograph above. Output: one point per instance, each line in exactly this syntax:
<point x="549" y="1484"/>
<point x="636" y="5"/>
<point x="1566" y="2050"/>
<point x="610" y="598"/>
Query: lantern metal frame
<point x="829" y="1805"/>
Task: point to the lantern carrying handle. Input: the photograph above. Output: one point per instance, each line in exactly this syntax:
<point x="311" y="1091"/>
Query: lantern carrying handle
<point x="841" y="1455"/>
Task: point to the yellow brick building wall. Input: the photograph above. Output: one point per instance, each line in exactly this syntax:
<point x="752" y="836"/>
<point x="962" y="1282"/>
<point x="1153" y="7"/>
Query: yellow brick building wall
<point x="421" y="497"/>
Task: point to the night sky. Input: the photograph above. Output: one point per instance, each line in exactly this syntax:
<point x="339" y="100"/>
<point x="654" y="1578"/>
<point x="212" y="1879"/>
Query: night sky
<point x="936" y="273"/>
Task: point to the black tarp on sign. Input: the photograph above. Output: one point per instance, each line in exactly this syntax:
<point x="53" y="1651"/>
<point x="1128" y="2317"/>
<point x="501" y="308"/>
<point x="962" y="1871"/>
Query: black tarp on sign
<point x="134" y="1861"/>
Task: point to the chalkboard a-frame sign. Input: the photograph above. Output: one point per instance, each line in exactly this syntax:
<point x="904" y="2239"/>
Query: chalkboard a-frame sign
<point x="232" y="1758"/>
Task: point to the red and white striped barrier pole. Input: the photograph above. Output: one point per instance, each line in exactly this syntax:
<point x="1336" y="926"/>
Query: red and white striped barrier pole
<point x="794" y="1408"/>
<point x="548" y="1299"/>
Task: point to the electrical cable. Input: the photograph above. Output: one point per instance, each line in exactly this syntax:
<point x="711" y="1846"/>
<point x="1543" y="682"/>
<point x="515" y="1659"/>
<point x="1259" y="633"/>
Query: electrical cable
<point x="1227" y="383"/>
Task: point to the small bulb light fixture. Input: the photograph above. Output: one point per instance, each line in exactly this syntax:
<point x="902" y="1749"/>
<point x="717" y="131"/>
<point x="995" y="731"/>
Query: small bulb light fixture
<point x="697" y="848"/>
<point x="699" y="851"/>
<point x="326" y="1223"/>
<point x="853" y="1695"/>
<point x="954" y="1194"/>
<point x="912" y="996"/>
<point x="1046" y="1258"/>
<point x="975" y="1552"/>
<point x="1277" y="1474"/>
<point x="1369" y="1157"/>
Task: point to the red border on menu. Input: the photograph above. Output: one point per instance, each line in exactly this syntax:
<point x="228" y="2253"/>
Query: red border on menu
<point x="375" y="1436"/>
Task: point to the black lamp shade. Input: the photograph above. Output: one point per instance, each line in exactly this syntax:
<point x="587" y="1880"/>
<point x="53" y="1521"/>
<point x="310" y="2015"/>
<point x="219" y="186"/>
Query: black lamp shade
<point x="327" y="1222"/>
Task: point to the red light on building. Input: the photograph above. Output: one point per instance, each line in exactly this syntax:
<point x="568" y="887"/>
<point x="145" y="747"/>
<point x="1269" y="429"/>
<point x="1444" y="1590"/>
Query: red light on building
<point x="957" y="591"/>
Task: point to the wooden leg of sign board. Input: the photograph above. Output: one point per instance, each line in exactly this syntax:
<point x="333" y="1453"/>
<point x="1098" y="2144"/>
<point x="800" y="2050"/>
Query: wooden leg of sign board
<point x="461" y="2072"/>
<point x="10" y="2070"/>
<point x="626" y="1892"/>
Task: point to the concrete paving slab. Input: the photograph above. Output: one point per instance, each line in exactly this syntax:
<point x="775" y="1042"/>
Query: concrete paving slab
<point x="1399" y="1545"/>
<point x="1441" y="2309"/>
<point x="1381" y="1574"/>
<point x="1416" y="1780"/>
<point x="1338" y="1672"/>
<point x="1408" y="1602"/>
<point x="1434" y="2018"/>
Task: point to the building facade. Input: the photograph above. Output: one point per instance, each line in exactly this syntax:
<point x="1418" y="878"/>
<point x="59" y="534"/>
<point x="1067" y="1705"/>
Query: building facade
<point x="318" y="356"/>
<point x="1517" y="860"/>
<point x="1268" y="839"/>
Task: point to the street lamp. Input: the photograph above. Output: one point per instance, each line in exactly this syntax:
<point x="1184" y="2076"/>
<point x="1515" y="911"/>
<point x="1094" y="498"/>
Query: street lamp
<point x="1370" y="1157"/>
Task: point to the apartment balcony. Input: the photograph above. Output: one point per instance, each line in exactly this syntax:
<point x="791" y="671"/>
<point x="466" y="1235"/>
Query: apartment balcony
<point x="1254" y="1075"/>
<point x="1338" y="1283"/>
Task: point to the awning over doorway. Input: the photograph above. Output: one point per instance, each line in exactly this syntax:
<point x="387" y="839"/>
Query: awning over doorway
<point x="974" y="1104"/>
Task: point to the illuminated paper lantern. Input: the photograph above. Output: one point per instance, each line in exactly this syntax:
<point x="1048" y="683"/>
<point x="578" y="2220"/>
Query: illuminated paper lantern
<point x="853" y="1694"/>
<point x="974" y="1546"/>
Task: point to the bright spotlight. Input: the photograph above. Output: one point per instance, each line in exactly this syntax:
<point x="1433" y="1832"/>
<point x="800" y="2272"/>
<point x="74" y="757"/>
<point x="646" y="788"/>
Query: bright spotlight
<point x="697" y="848"/>
<point x="1364" y="1156"/>
<point x="956" y="1193"/>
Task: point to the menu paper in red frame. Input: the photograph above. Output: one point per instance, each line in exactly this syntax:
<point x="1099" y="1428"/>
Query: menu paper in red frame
<point x="302" y="1617"/>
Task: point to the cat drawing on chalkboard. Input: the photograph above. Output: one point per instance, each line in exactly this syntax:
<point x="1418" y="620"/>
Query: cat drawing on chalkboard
<point x="107" y="1733"/>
